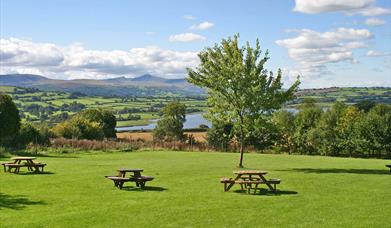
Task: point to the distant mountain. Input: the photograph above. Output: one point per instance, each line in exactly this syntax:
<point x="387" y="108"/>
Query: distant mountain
<point x="145" y="85"/>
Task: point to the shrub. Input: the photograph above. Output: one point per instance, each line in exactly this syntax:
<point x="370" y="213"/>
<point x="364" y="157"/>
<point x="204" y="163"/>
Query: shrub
<point x="220" y="135"/>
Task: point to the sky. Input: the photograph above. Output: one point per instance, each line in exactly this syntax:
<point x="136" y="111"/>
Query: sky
<point x="326" y="42"/>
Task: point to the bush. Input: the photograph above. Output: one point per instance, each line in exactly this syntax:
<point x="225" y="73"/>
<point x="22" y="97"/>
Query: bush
<point x="79" y="128"/>
<point x="89" y="124"/>
<point x="28" y="133"/>
<point x="220" y="135"/>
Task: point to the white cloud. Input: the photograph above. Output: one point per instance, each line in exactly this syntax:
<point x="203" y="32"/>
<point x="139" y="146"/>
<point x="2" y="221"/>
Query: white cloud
<point x="189" y="17"/>
<point x="374" y="22"/>
<point x="202" y="26"/>
<point x="372" y="53"/>
<point x="313" y="51"/>
<point x="186" y="37"/>
<point x="351" y="7"/>
<point x="21" y="56"/>
<point x="322" y="6"/>
<point x="373" y="11"/>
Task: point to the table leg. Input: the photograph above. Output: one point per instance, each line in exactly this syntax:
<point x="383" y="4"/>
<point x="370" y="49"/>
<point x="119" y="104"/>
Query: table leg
<point x="232" y="184"/>
<point x="266" y="182"/>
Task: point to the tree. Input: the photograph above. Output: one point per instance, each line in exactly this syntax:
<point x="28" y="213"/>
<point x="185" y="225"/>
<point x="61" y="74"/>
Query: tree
<point x="105" y="118"/>
<point x="9" y="120"/>
<point x="305" y="121"/>
<point x="170" y="126"/>
<point x="240" y="90"/>
<point x="219" y="136"/>
<point x="285" y="124"/>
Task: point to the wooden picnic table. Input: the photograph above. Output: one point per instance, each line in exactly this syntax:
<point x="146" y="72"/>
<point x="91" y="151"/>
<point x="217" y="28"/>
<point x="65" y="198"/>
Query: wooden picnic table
<point x="27" y="162"/>
<point x="247" y="177"/>
<point x="136" y="177"/>
<point x="136" y="172"/>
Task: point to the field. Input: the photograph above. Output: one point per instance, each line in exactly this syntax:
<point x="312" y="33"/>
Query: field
<point x="53" y="107"/>
<point x="315" y="192"/>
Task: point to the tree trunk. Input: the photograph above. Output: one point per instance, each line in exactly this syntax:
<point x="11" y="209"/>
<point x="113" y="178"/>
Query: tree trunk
<point x="241" y="154"/>
<point x="241" y="142"/>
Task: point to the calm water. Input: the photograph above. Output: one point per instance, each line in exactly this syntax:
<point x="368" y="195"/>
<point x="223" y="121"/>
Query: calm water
<point x="192" y="121"/>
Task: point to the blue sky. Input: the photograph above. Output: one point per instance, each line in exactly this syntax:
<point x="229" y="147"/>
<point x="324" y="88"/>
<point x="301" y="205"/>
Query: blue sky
<point x="327" y="42"/>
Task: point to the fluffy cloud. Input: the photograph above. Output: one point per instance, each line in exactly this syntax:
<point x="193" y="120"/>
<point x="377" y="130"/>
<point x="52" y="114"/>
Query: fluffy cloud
<point x="186" y="37"/>
<point x="362" y="7"/>
<point x="374" y="22"/>
<point x="21" y="56"/>
<point x="313" y="51"/>
<point x="202" y="26"/>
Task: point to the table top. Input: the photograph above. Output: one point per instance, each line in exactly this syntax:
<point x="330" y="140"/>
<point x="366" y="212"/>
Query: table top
<point x="129" y="170"/>
<point x="23" y="158"/>
<point x="250" y="172"/>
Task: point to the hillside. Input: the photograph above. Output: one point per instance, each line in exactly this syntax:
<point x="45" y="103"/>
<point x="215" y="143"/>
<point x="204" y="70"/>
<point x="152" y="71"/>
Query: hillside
<point x="145" y="85"/>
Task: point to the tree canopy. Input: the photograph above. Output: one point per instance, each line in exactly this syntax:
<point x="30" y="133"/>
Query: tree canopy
<point x="9" y="120"/>
<point x="240" y="89"/>
<point x="170" y="126"/>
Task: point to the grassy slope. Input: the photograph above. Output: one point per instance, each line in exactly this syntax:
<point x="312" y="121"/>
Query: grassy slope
<point x="315" y="191"/>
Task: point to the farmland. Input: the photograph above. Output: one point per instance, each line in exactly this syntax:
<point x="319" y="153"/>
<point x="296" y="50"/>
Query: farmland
<point x="54" y="107"/>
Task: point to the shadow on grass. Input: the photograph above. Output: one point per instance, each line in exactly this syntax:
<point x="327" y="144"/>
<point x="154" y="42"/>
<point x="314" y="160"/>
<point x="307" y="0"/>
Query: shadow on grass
<point x="146" y="188"/>
<point x="267" y="192"/>
<point x="36" y="173"/>
<point x="16" y="202"/>
<point x="335" y="170"/>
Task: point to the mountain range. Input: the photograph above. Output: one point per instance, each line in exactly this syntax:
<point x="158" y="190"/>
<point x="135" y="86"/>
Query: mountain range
<point x="145" y="85"/>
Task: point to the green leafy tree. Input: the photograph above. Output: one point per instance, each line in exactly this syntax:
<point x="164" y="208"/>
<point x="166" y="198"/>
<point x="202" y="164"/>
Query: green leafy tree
<point x="170" y="126"/>
<point x="220" y="135"/>
<point x="27" y="134"/>
<point x="304" y="136"/>
<point x="240" y="89"/>
<point x="9" y="120"/>
<point x="326" y="130"/>
<point x="285" y="124"/>
<point x="347" y="130"/>
<point x="104" y="117"/>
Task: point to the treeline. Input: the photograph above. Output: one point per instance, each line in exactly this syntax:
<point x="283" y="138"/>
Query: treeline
<point x="93" y="124"/>
<point x="361" y="130"/>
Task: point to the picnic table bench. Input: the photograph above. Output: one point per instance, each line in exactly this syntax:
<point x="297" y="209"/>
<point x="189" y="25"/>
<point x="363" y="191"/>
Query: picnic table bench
<point x="250" y="179"/>
<point x="136" y="177"/>
<point x="389" y="166"/>
<point x="27" y="162"/>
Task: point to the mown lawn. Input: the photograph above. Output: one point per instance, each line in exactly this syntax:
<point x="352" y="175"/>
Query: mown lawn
<point x="315" y="192"/>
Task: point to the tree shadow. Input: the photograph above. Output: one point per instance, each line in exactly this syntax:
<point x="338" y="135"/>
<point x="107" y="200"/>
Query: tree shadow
<point x="36" y="173"/>
<point x="267" y="192"/>
<point x="16" y="202"/>
<point x="146" y="188"/>
<point x="336" y="170"/>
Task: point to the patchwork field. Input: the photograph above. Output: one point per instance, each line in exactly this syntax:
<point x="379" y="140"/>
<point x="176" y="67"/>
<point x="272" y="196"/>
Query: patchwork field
<point x="315" y="192"/>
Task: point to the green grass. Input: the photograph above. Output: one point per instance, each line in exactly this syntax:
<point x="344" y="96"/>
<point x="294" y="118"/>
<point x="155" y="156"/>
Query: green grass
<point x="315" y="192"/>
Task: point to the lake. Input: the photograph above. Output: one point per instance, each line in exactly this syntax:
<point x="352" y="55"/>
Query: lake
<point x="192" y="121"/>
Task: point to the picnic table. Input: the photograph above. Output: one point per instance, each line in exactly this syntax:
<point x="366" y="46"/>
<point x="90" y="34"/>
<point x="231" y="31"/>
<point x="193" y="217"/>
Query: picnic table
<point x="136" y="177"/>
<point x="19" y="162"/>
<point x="250" y="179"/>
